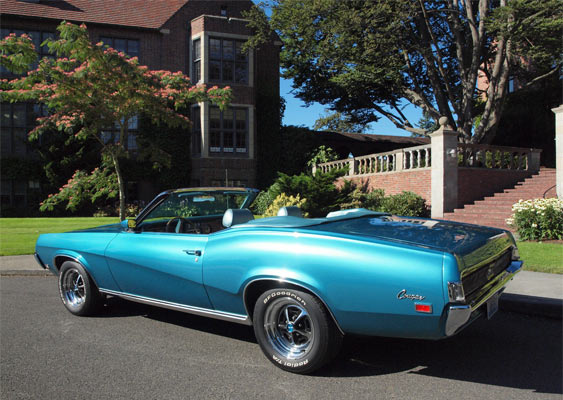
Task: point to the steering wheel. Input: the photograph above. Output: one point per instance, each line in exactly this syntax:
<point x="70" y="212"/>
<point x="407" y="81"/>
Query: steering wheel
<point x="178" y="227"/>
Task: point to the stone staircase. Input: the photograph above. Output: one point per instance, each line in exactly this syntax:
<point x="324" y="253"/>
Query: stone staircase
<point x="494" y="210"/>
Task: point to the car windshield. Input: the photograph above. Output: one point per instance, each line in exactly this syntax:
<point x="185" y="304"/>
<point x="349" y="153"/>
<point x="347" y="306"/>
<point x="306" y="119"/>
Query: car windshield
<point x="198" y="204"/>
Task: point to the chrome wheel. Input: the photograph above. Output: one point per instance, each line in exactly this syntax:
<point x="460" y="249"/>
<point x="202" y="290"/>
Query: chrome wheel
<point x="78" y="292"/>
<point x="72" y="287"/>
<point x="294" y="330"/>
<point x="289" y="329"/>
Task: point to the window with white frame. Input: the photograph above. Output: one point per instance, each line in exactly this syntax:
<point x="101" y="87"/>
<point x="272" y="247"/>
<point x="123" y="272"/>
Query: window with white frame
<point x="227" y="62"/>
<point x="196" y="60"/>
<point x="228" y="131"/>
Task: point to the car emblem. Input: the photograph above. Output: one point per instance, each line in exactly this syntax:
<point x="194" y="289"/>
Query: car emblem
<point x="404" y="295"/>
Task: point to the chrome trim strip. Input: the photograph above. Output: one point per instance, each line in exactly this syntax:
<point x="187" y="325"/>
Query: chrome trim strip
<point x="458" y="315"/>
<point x="291" y="283"/>
<point x="39" y="261"/>
<point x="205" y="312"/>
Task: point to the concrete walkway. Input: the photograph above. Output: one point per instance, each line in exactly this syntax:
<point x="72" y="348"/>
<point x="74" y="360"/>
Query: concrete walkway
<point x="533" y="293"/>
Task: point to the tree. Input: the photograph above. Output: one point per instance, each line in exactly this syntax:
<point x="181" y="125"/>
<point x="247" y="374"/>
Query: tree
<point x="365" y="58"/>
<point x="89" y="87"/>
<point x="338" y="122"/>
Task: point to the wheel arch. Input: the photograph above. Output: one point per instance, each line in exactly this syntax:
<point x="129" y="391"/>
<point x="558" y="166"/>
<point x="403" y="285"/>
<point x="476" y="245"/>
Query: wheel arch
<point x="59" y="260"/>
<point x="256" y="287"/>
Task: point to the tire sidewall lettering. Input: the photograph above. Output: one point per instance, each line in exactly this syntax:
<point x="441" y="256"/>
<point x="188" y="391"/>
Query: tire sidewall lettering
<point x="287" y="293"/>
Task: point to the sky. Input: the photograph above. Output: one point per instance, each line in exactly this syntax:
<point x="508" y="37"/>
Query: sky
<point x="296" y="113"/>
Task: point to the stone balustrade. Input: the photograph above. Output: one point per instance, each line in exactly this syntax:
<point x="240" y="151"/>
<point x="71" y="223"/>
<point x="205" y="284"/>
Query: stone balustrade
<point x="393" y="161"/>
<point x="497" y="157"/>
<point x="469" y="156"/>
<point x="455" y="172"/>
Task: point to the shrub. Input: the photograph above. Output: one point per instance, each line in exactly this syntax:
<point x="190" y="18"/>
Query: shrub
<point x="538" y="219"/>
<point x="262" y="202"/>
<point x="319" y="190"/>
<point x="408" y="204"/>
<point x="283" y="200"/>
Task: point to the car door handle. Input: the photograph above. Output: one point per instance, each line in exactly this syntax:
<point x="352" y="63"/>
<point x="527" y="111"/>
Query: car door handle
<point x="196" y="253"/>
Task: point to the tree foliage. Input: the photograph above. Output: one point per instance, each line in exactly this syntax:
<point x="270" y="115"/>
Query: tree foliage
<point x="89" y="87"/>
<point x="365" y="58"/>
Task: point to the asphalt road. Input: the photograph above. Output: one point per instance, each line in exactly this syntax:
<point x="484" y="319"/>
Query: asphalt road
<point x="133" y="351"/>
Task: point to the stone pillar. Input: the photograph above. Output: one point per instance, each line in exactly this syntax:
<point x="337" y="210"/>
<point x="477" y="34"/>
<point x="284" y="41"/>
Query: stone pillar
<point x="534" y="160"/>
<point x="559" y="149"/>
<point x="444" y="170"/>
<point x="352" y="166"/>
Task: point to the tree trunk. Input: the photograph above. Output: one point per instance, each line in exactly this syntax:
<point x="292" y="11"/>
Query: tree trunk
<point x="121" y="184"/>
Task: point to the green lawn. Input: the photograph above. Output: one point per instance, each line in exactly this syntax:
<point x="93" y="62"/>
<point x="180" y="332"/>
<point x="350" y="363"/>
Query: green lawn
<point x="542" y="257"/>
<point x="18" y="235"/>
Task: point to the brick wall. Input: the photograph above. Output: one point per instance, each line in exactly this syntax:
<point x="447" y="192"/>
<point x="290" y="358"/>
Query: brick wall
<point x="209" y="169"/>
<point x="474" y="184"/>
<point x="396" y="182"/>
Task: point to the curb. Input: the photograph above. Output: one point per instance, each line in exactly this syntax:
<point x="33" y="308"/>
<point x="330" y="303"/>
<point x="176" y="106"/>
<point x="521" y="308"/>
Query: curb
<point x="531" y="305"/>
<point x="37" y="272"/>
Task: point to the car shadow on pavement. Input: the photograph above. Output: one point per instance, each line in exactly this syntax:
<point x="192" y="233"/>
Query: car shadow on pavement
<point x="511" y="350"/>
<point x="117" y="307"/>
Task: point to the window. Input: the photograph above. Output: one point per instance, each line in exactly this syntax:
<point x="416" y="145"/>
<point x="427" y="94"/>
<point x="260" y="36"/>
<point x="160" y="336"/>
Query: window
<point x="196" y="57"/>
<point x="196" y="131"/>
<point x="37" y="38"/>
<point x="227" y="62"/>
<point x="228" y="131"/>
<point x="17" y="119"/>
<point x="112" y="133"/>
<point x="128" y="46"/>
<point x="15" y="192"/>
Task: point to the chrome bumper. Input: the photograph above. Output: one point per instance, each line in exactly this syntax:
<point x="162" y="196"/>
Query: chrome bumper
<point x="459" y="315"/>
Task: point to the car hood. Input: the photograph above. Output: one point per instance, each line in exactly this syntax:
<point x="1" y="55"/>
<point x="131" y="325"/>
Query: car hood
<point x="471" y="244"/>
<point x="103" y="228"/>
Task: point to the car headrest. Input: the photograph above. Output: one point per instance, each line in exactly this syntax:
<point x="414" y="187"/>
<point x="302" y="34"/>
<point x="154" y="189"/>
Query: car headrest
<point x="235" y="216"/>
<point x="290" y="211"/>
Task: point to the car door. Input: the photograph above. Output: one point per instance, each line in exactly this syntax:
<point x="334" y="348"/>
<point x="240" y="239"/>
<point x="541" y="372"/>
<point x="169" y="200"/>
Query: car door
<point x="159" y="265"/>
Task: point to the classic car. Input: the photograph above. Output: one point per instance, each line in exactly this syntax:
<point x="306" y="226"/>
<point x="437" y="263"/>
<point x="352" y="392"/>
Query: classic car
<point x="301" y="283"/>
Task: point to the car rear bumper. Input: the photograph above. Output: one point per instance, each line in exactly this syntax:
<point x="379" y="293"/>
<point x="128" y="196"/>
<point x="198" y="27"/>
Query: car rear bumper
<point x="460" y="315"/>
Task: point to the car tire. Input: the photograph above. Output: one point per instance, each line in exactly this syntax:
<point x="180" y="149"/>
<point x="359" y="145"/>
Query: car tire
<point x="78" y="292"/>
<point x="295" y="330"/>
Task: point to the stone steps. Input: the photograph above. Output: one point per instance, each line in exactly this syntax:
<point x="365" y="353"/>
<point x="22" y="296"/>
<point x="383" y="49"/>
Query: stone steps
<point x="494" y="210"/>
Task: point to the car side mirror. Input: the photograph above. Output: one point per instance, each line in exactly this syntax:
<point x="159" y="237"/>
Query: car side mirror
<point x="129" y="224"/>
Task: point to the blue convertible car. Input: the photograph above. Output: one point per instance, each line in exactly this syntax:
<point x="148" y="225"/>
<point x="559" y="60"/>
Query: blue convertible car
<point x="302" y="283"/>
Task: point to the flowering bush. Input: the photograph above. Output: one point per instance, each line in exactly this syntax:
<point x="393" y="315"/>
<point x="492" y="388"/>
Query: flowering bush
<point x="283" y="200"/>
<point x="538" y="219"/>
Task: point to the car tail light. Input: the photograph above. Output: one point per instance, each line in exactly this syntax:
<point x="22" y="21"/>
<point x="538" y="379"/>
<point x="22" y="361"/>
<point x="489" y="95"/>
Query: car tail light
<point x="455" y="292"/>
<point x="423" y="308"/>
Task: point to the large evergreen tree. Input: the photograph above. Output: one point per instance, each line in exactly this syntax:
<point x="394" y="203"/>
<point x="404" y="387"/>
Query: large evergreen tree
<point x="365" y="58"/>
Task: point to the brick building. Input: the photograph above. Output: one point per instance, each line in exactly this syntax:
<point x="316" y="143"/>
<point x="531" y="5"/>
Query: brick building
<point x="203" y="39"/>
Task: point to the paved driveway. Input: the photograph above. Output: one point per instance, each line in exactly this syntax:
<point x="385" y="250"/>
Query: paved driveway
<point x="133" y="351"/>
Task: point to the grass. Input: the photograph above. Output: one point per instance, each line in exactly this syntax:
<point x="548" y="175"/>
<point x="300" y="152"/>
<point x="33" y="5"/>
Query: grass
<point x="542" y="257"/>
<point x="18" y="235"/>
